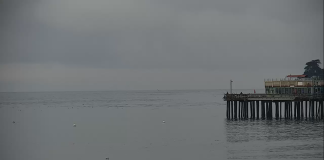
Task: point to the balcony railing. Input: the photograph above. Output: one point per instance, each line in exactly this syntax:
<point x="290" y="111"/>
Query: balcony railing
<point x="291" y="79"/>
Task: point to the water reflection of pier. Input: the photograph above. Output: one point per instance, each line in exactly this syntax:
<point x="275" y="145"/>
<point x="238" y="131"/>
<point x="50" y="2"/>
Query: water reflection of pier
<point x="268" y="139"/>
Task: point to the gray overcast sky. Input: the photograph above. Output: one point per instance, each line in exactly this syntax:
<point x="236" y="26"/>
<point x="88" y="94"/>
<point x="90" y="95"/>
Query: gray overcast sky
<point x="58" y="45"/>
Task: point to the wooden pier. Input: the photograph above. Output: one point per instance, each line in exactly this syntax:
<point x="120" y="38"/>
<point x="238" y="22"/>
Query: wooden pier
<point x="278" y="106"/>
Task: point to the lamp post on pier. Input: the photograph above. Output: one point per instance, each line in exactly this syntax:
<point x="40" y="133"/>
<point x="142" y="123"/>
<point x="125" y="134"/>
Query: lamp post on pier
<point x="231" y="86"/>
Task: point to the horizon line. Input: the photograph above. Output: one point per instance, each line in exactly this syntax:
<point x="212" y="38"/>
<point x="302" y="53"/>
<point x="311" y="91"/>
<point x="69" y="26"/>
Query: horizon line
<point x="109" y="90"/>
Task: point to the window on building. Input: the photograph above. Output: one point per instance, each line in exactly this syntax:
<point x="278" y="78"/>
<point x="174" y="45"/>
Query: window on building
<point x="289" y="90"/>
<point x="318" y="90"/>
<point x="282" y="90"/>
<point x="286" y="90"/>
<point x="309" y="91"/>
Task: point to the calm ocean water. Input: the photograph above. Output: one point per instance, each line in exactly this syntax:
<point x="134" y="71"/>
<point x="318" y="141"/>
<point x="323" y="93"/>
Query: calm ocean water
<point x="124" y="125"/>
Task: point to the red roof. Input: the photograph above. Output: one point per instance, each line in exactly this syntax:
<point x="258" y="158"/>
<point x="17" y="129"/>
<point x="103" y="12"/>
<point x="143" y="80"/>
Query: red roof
<point x="299" y="76"/>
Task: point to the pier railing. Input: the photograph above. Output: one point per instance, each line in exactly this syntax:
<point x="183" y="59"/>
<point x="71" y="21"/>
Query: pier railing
<point x="272" y="96"/>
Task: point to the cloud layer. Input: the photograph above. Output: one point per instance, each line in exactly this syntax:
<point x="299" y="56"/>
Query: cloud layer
<point x="207" y="42"/>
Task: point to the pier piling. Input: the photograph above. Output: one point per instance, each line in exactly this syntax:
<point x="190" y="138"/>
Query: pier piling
<point x="258" y="108"/>
<point x="301" y="110"/>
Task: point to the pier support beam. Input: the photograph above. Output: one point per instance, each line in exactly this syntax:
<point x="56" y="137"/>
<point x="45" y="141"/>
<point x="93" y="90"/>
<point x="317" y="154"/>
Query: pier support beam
<point x="291" y="111"/>
<point x="253" y="109"/>
<point x="316" y="110"/>
<point x="298" y="110"/>
<point x="235" y="109"/>
<point x="271" y="112"/>
<point x="301" y="110"/>
<point x="322" y="109"/>
<point x="280" y="110"/>
<point x="277" y="110"/>
<point x="227" y="109"/>
<point x="305" y="109"/>
<point x="268" y="110"/>
<point x="246" y="109"/>
<point x="309" y="109"/>
<point x="257" y="110"/>
<point x="242" y="108"/>
<point x="286" y="109"/>
<point x="313" y="110"/>
<point x="295" y="110"/>
<point x="231" y="109"/>
<point x="264" y="110"/>
<point x="239" y="110"/>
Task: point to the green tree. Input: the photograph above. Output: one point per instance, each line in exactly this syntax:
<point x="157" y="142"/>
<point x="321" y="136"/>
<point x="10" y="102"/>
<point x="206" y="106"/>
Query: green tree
<point x="313" y="69"/>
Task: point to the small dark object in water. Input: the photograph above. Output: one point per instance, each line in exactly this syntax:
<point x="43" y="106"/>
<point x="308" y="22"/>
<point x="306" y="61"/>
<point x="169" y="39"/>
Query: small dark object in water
<point x="13" y="122"/>
<point x="107" y="158"/>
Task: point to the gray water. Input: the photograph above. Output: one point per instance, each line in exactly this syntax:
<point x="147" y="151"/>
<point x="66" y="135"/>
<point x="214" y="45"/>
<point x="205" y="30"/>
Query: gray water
<point x="124" y="125"/>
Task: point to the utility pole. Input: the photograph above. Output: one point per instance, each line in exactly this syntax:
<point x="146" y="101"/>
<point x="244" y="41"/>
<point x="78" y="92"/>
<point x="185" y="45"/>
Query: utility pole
<point x="231" y="86"/>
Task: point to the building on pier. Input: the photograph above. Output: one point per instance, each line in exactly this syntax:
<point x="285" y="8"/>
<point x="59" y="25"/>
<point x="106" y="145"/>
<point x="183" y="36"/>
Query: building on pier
<point x="295" y="84"/>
